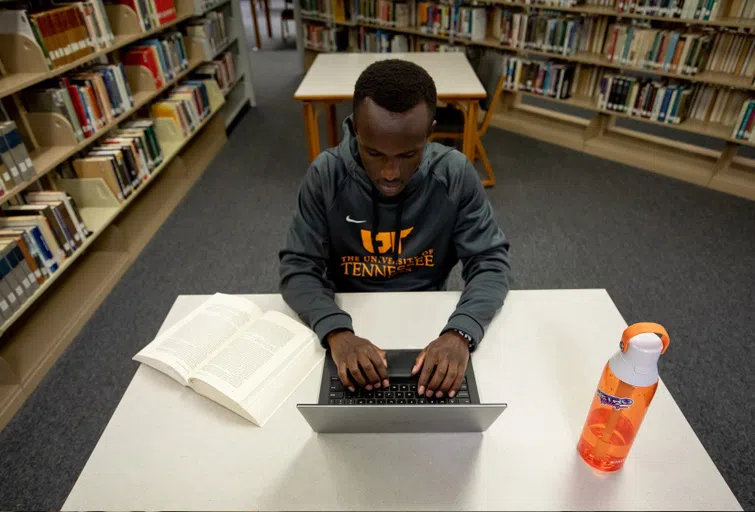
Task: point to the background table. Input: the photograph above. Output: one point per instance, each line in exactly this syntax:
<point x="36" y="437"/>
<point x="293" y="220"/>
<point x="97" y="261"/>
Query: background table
<point x="167" y="448"/>
<point x="332" y="77"/>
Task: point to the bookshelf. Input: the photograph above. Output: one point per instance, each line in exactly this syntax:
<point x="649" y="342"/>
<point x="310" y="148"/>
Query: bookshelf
<point x="44" y="324"/>
<point x="713" y="59"/>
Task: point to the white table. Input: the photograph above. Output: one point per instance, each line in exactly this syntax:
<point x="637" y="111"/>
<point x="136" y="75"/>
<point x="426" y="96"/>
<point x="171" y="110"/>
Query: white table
<point x="167" y="448"/>
<point x="332" y="77"/>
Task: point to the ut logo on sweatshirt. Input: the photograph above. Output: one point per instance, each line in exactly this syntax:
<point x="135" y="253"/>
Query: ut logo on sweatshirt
<point x="386" y="240"/>
<point x="379" y="261"/>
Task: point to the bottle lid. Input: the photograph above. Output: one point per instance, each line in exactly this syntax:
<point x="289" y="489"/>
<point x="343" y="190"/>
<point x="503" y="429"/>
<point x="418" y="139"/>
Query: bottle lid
<point x="641" y="346"/>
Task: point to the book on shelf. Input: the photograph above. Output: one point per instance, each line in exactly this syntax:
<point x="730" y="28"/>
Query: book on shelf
<point x="469" y="22"/>
<point x="186" y="107"/>
<point x="436" y="47"/>
<point x="123" y="160"/>
<point x="319" y="37"/>
<point x="63" y="34"/>
<point x="232" y="352"/>
<point x="61" y="225"/>
<point x="88" y="100"/>
<point x="164" y="58"/>
<point x="655" y="100"/>
<point x="382" y="42"/>
<point x="17" y="282"/>
<point x="16" y="167"/>
<point x="210" y="32"/>
<point x="539" y="77"/>
<point x="744" y="121"/>
<point x="318" y="8"/>
<point x="222" y="70"/>
<point x="150" y="14"/>
<point x="40" y="234"/>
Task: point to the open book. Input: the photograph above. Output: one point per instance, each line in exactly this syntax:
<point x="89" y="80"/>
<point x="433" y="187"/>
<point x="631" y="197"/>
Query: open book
<point x="237" y="355"/>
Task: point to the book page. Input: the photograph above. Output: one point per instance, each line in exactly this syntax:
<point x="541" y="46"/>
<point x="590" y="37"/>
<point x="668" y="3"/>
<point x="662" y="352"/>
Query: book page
<point x="191" y="341"/>
<point x="253" y="355"/>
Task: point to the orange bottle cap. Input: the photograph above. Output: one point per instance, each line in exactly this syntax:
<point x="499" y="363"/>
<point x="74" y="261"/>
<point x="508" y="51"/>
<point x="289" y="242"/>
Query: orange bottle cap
<point x="644" y="327"/>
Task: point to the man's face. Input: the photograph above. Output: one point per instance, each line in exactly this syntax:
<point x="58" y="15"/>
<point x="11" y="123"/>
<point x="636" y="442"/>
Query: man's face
<point x="391" y="144"/>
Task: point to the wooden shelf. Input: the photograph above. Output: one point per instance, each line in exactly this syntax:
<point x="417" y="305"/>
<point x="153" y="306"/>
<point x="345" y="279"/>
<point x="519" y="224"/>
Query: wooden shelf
<point x="316" y="49"/>
<point x="233" y="84"/>
<point x="708" y="129"/>
<point x="606" y="11"/>
<point x="100" y="218"/>
<point x="17" y="81"/>
<point x="46" y="159"/>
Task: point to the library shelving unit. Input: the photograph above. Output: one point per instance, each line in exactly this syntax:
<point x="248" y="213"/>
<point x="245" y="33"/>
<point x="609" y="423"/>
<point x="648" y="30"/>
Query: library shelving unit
<point x="37" y="333"/>
<point x="702" y="149"/>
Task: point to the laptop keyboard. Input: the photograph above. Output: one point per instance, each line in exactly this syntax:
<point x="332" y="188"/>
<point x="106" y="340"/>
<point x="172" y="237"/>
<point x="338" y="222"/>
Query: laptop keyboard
<point x="400" y="393"/>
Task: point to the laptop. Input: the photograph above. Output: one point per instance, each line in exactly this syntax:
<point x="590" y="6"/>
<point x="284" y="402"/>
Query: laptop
<point x="400" y="408"/>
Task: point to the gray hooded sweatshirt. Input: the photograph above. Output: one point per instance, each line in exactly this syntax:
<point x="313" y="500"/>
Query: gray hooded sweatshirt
<point x="346" y="237"/>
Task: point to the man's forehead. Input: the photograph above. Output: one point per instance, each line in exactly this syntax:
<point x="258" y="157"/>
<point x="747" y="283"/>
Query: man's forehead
<point x="374" y="117"/>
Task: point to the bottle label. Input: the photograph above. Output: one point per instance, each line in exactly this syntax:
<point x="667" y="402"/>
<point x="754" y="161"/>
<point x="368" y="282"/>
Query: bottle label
<point x="614" y="401"/>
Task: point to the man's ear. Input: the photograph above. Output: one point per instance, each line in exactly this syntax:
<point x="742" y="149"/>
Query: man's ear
<point x="432" y="127"/>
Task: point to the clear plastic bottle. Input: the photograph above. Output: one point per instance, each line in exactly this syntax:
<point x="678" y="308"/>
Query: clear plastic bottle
<point x="625" y="390"/>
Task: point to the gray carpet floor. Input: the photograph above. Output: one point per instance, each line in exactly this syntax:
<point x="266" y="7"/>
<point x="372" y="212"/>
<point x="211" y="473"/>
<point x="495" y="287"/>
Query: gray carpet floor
<point x="665" y="251"/>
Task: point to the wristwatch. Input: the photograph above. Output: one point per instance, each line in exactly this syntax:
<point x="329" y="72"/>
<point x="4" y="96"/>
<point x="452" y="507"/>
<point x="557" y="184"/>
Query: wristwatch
<point x="470" y="341"/>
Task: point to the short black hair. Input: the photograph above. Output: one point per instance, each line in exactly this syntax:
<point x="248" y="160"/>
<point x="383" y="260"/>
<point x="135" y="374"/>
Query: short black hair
<point x="397" y="86"/>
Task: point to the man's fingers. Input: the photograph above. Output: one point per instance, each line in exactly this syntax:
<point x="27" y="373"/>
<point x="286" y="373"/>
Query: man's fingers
<point x="428" y="365"/>
<point x="369" y="371"/>
<point x="457" y="382"/>
<point x="344" y="376"/>
<point x="447" y="385"/>
<point x="378" y="361"/>
<point x="418" y="362"/>
<point x="356" y="372"/>
<point x="438" y="376"/>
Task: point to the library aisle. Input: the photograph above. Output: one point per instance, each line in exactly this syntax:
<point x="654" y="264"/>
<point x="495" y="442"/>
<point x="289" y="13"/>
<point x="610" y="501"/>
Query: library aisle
<point x="664" y="249"/>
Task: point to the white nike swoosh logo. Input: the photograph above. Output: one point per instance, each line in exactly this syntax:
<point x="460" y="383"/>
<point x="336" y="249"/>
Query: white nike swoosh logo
<point x="349" y="219"/>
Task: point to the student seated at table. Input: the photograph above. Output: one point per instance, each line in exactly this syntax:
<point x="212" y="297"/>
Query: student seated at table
<point x="388" y="211"/>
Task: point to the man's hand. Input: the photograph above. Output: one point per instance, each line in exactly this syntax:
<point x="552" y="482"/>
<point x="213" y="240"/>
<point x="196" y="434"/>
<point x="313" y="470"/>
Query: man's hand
<point x="361" y="358"/>
<point x="443" y="363"/>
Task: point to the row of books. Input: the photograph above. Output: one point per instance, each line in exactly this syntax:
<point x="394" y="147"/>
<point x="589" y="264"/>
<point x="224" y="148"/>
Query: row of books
<point x="685" y="9"/>
<point x="320" y="37"/>
<point x="210" y="31"/>
<point x="461" y="21"/>
<point x="124" y="160"/>
<point x="150" y="13"/>
<point x="732" y="53"/>
<point x="436" y="47"/>
<point x="35" y="238"/>
<point x="15" y="165"/>
<point x="164" y="57"/>
<point x="186" y="106"/>
<point x="716" y="105"/>
<point x="743" y="126"/>
<point x="384" y="12"/>
<point x="382" y="42"/>
<point x="89" y="100"/>
<point x="663" y="50"/>
<point x="640" y="97"/>
<point x="63" y="34"/>
<point x="545" y="32"/>
<point x="321" y="8"/>
<point x="538" y="77"/>
<point x="222" y="70"/>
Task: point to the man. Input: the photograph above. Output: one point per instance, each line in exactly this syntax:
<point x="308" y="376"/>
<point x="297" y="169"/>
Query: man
<point x="388" y="211"/>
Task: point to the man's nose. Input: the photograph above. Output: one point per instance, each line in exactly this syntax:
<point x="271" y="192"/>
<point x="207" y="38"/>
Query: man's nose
<point x="390" y="171"/>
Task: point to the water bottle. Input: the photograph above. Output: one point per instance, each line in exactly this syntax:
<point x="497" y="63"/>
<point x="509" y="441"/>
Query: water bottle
<point x="624" y="393"/>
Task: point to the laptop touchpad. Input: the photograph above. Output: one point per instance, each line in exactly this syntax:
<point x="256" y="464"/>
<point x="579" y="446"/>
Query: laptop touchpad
<point x="400" y="363"/>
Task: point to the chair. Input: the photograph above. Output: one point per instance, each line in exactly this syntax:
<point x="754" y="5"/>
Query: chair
<point x="287" y="14"/>
<point x="450" y="119"/>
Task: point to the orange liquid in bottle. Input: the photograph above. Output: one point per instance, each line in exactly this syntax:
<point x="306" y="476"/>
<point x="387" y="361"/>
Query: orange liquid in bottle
<point x="613" y="421"/>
